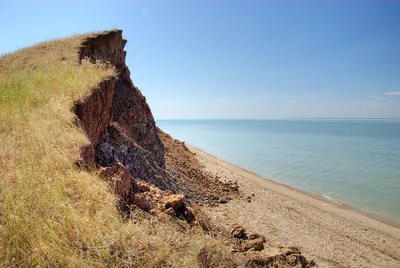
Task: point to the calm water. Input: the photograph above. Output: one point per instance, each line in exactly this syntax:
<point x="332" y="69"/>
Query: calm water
<point x="355" y="162"/>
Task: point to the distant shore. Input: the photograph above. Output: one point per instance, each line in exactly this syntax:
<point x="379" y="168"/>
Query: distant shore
<point x="334" y="235"/>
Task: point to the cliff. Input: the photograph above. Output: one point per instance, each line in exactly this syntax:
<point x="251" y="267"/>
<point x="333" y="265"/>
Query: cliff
<point x="121" y="128"/>
<point x="70" y="115"/>
<point x="117" y="118"/>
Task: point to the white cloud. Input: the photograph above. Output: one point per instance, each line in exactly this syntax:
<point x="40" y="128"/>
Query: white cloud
<point x="393" y="93"/>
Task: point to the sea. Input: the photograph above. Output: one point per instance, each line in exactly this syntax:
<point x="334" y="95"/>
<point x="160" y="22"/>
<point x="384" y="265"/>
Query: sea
<point x="354" y="162"/>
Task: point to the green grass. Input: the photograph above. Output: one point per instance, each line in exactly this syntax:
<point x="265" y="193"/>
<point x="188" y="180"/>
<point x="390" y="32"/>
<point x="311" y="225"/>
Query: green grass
<point x="51" y="213"/>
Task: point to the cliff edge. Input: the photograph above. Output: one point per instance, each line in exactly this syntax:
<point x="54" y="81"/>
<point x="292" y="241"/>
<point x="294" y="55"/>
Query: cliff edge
<point x="117" y="118"/>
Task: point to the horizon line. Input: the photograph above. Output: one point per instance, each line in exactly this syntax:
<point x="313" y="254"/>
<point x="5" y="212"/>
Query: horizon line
<point x="288" y="118"/>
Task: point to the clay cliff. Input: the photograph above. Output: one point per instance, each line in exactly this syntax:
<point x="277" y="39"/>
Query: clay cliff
<point x="117" y="118"/>
<point x="121" y="128"/>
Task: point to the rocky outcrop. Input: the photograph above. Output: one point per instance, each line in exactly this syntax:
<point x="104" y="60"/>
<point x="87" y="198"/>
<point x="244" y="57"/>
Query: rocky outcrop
<point x="133" y="115"/>
<point x="129" y="107"/>
<point x="123" y="139"/>
<point x="116" y="145"/>
<point x="155" y="201"/>
<point x="133" y="138"/>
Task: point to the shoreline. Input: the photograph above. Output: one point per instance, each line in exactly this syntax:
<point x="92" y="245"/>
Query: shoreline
<point x="331" y="234"/>
<point x="330" y="200"/>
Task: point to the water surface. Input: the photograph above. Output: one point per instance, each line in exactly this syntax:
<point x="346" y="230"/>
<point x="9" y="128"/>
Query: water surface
<point x="355" y="162"/>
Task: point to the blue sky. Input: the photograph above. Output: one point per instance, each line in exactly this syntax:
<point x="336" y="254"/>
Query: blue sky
<point x="238" y="59"/>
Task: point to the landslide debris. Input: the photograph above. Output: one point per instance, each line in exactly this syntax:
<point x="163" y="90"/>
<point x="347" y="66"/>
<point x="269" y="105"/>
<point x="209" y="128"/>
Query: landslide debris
<point x="190" y="177"/>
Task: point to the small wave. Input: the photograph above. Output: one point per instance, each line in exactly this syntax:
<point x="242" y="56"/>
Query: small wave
<point x="331" y="199"/>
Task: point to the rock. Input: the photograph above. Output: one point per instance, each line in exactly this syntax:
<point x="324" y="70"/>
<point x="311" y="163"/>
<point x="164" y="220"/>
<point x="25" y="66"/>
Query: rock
<point x="170" y="211"/>
<point x="132" y="113"/>
<point x="256" y="235"/>
<point x="118" y="176"/>
<point x="176" y="202"/>
<point x="237" y="231"/>
<point x="256" y="244"/>
<point x="235" y="249"/>
<point x="115" y="144"/>
<point x="188" y="215"/>
<point x="143" y="187"/>
<point x="143" y="202"/>
<point x="223" y="200"/>
<point x="234" y="187"/>
<point x="277" y="257"/>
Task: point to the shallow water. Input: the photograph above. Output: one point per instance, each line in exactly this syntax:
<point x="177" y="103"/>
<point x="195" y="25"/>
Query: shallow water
<point x="355" y="162"/>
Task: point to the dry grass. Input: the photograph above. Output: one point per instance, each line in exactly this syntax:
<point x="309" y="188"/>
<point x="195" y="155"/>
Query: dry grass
<point x="51" y="213"/>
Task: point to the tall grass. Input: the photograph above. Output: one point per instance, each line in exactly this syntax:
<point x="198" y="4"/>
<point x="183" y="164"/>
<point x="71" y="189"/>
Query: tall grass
<point x="51" y="213"/>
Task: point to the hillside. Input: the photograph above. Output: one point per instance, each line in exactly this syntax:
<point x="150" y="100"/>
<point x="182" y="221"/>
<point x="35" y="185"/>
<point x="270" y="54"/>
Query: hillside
<point x="87" y="179"/>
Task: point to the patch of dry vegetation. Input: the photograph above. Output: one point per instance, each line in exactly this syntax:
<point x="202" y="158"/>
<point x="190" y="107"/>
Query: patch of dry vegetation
<point x="52" y="213"/>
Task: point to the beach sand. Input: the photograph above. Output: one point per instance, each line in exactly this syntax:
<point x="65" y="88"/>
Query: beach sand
<point x="330" y="234"/>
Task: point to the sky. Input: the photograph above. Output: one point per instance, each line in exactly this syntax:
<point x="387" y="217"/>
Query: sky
<point x="238" y="59"/>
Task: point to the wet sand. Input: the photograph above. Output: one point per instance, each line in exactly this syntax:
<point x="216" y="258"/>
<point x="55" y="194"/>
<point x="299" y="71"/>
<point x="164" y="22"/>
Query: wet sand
<point x="331" y="234"/>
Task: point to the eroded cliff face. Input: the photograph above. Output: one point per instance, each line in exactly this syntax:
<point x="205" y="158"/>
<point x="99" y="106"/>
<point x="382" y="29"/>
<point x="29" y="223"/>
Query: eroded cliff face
<point x="94" y="115"/>
<point x="117" y="118"/>
<point x="116" y="145"/>
<point x="129" y="107"/>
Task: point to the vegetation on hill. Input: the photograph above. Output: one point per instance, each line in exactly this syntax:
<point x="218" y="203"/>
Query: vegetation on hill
<point x="51" y="212"/>
<point x="56" y="209"/>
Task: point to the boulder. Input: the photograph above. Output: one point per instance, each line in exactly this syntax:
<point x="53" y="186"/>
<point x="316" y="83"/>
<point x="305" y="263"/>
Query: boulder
<point x="223" y="200"/>
<point x="237" y="231"/>
<point x="277" y="257"/>
<point x="256" y="244"/>
<point x="118" y="176"/>
<point x="176" y="202"/>
<point x="256" y="235"/>
<point x="143" y="202"/>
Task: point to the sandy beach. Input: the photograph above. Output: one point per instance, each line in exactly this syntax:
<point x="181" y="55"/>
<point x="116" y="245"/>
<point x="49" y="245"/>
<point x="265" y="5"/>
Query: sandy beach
<point x="330" y="234"/>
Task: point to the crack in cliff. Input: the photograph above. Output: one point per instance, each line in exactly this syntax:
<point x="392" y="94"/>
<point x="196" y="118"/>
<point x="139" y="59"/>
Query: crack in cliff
<point x="104" y="107"/>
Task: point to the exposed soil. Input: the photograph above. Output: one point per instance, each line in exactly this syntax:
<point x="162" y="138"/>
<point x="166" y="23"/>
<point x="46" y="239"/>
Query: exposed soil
<point x="191" y="178"/>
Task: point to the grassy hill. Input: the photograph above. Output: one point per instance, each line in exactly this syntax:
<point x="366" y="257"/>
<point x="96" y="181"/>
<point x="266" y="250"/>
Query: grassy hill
<point x="52" y="212"/>
<point x="88" y="180"/>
